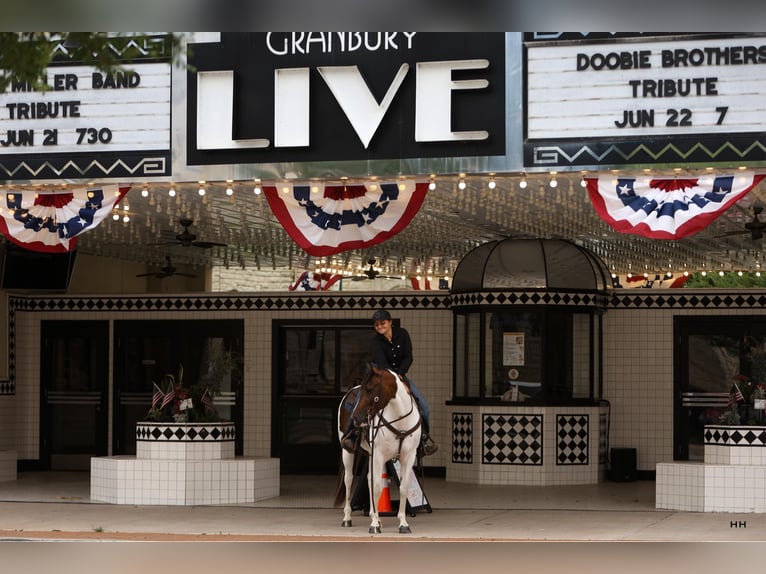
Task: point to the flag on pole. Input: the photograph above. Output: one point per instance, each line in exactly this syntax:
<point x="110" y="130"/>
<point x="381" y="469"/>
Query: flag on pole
<point x="207" y="401"/>
<point x="169" y="396"/>
<point x="669" y="208"/>
<point x="51" y="221"/>
<point x="735" y="395"/>
<point x="157" y="396"/>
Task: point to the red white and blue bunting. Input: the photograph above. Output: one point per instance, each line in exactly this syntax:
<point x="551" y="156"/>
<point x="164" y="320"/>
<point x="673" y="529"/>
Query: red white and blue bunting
<point x="314" y="281"/>
<point x="666" y="208"/>
<point x="51" y="221"/>
<point x="342" y="217"/>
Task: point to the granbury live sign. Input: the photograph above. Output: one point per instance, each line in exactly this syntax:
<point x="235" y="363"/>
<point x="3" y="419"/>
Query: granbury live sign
<point x="270" y="97"/>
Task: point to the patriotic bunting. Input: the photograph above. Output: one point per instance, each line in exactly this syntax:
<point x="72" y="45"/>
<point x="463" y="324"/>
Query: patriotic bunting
<point x="311" y="281"/>
<point x="51" y="221"/>
<point x="338" y="218"/>
<point x="669" y="208"/>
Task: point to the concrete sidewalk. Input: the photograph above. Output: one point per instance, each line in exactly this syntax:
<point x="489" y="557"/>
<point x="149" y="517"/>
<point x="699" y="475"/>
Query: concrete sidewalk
<point x="41" y="506"/>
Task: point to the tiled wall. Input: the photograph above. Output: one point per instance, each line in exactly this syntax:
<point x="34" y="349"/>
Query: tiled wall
<point x="638" y="354"/>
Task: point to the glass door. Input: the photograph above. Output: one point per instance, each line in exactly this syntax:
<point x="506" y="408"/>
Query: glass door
<point x="711" y="353"/>
<point x="147" y="350"/>
<point x="74" y="393"/>
<point x="316" y="364"/>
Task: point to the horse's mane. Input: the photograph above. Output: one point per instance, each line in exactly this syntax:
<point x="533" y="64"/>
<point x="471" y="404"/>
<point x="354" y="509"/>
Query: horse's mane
<point x="378" y="389"/>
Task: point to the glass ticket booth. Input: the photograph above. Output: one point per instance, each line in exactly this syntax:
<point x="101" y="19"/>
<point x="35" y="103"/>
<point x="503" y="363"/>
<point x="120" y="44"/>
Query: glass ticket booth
<point x="528" y="377"/>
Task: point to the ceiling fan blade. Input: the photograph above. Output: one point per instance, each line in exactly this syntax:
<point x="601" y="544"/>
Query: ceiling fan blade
<point x="730" y="233"/>
<point x="208" y="244"/>
<point x="182" y="274"/>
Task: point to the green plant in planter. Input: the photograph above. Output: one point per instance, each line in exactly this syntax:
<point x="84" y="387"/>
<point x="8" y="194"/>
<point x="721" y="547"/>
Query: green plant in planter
<point x="174" y="401"/>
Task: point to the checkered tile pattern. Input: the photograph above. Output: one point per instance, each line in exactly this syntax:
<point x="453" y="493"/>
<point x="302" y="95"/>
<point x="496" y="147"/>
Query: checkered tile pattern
<point x="462" y="438"/>
<point x="512" y="439"/>
<point x="572" y="439"/>
<point x="603" y="438"/>
<point x="735" y="436"/>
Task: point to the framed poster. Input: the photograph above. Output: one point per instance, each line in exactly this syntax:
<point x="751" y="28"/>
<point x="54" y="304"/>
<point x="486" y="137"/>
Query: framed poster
<point x="513" y="349"/>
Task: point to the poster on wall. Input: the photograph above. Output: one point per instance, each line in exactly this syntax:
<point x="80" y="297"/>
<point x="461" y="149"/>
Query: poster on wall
<point x="89" y="123"/>
<point x="513" y="349"/>
<point x="601" y="99"/>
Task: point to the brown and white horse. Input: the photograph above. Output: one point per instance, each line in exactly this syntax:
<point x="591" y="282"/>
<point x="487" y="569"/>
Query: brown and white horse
<point x="391" y="419"/>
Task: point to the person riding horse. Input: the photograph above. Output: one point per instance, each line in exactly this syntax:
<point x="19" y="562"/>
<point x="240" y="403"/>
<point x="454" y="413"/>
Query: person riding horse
<point x="391" y="348"/>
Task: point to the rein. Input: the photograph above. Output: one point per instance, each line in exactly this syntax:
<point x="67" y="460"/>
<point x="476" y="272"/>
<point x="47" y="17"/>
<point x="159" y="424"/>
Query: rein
<point x="383" y="422"/>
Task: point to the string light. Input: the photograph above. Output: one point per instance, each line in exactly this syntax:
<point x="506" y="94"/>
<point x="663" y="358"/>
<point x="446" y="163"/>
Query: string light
<point x="257" y="188"/>
<point x="491" y="184"/>
<point x="432" y="184"/>
<point x="145" y="192"/>
<point x="461" y="185"/>
<point x="523" y="183"/>
<point x="229" y="188"/>
<point x="172" y="191"/>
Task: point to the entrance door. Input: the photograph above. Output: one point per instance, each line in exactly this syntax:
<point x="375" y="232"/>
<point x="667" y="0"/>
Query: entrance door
<point x="74" y="393"/>
<point x="316" y="364"/>
<point x="147" y="350"/>
<point x="712" y="351"/>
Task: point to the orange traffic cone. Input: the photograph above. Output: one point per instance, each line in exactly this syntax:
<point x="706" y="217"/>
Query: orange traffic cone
<point x="384" y="502"/>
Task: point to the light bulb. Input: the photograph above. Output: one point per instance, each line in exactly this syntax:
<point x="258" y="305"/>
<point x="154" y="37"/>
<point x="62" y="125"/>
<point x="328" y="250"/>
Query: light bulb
<point x="461" y="185"/>
<point x="172" y="192"/>
<point x="144" y="192"/>
<point x="229" y="191"/>
<point x="492" y="183"/>
<point x="553" y="182"/>
<point x="257" y="189"/>
<point x="523" y="184"/>
<point x="432" y="184"/>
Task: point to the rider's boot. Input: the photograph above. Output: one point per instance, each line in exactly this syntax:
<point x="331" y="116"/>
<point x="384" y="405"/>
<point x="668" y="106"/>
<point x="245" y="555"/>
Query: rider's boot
<point x="427" y="445"/>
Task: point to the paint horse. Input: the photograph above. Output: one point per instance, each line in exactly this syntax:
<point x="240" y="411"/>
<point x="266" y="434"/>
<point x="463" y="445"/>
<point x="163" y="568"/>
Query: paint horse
<point x="390" y="430"/>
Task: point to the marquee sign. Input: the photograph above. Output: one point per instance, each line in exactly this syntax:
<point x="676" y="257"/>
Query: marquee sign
<point x="330" y="96"/>
<point x="646" y="101"/>
<point x="88" y="124"/>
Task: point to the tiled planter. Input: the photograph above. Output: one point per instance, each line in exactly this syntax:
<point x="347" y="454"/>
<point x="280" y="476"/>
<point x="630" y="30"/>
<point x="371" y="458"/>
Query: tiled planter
<point x="732" y="477"/>
<point x="183" y="464"/>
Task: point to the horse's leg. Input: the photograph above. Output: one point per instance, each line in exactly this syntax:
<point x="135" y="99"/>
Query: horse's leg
<point x="348" y="479"/>
<point x="374" y="470"/>
<point x="406" y="461"/>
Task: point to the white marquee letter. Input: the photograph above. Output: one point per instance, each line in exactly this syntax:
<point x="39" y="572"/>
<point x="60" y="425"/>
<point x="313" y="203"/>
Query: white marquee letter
<point x="352" y="93"/>
<point x="215" y="113"/>
<point x="433" y="102"/>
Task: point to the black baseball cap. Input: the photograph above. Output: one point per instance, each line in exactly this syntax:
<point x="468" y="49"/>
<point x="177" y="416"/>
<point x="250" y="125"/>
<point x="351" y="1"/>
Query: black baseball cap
<point x="381" y="315"/>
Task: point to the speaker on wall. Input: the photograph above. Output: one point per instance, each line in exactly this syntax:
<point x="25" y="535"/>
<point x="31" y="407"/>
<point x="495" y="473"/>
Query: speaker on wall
<point x="23" y="269"/>
<point x="622" y="466"/>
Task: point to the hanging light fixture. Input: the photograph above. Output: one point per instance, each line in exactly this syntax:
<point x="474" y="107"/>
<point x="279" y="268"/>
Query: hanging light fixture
<point x="491" y="184"/>
<point x="145" y="192"/>
<point x="523" y="182"/>
<point x="432" y="183"/>
<point x="229" y="188"/>
<point x="461" y="184"/>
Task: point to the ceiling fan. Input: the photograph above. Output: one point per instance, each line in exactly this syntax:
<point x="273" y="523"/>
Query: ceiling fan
<point x="168" y="270"/>
<point x="755" y="227"/>
<point x="372" y="273"/>
<point x="188" y="239"/>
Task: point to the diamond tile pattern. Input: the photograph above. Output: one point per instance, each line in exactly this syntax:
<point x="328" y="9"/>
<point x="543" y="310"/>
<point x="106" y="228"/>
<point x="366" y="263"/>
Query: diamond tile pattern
<point x="512" y="439"/>
<point x="572" y="439"/>
<point x="735" y="436"/>
<point x="169" y="432"/>
<point x="462" y="438"/>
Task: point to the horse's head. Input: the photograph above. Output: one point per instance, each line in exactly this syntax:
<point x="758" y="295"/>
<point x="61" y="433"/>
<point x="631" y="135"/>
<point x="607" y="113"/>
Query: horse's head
<point x="377" y="390"/>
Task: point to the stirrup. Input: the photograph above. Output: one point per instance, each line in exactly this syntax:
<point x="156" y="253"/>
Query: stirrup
<point x="428" y="446"/>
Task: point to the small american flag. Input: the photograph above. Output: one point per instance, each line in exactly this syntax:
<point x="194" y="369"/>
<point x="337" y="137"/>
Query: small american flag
<point x="207" y="401"/>
<point x="169" y="396"/>
<point x="735" y="395"/>
<point x="157" y="396"/>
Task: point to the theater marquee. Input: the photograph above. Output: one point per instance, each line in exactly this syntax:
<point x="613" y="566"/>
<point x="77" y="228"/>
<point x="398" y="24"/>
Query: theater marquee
<point x="334" y="96"/>
<point x="645" y="100"/>
<point x="88" y="123"/>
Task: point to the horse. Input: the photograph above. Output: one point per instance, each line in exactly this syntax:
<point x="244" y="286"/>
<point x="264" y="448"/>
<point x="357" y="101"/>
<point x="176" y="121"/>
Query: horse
<point x="391" y="430"/>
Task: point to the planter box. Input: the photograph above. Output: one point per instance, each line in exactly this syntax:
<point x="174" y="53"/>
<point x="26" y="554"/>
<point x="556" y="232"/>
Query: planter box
<point x="183" y="464"/>
<point x="184" y="441"/>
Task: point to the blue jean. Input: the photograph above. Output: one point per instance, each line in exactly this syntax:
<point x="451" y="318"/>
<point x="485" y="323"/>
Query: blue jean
<point x="423" y="403"/>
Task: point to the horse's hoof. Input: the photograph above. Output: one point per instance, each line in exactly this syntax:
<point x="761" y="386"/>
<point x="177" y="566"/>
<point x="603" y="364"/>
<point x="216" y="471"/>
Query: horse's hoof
<point x="405" y="530"/>
<point x="346" y="524"/>
<point x="374" y="529"/>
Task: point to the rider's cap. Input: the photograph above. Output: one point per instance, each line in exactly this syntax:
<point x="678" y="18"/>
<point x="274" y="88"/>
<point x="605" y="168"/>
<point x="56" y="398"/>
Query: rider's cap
<point x="381" y="315"/>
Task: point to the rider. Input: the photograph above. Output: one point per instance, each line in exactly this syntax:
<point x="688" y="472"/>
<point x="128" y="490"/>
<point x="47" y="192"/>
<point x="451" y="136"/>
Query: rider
<point x="391" y="348"/>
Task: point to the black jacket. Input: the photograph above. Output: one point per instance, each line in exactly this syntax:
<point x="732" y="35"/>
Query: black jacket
<point x="395" y="354"/>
